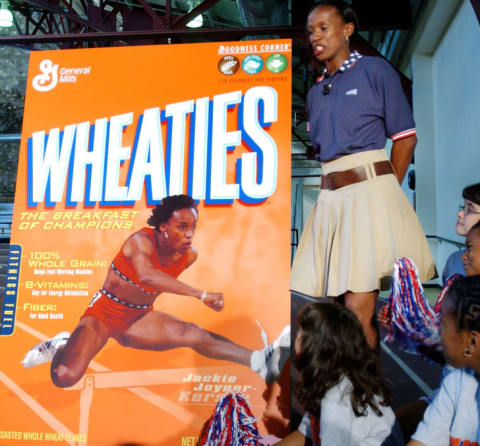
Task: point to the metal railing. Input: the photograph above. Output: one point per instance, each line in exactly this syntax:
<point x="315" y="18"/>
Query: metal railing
<point x="459" y="245"/>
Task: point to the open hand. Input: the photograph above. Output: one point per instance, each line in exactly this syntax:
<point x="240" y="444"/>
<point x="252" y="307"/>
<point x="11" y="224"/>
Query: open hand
<point x="214" y="301"/>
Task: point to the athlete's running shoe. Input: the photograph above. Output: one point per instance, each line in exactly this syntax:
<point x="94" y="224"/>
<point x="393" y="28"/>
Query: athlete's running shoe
<point x="45" y="351"/>
<point x="274" y="356"/>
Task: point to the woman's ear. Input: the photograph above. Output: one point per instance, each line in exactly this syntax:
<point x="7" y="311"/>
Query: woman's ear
<point x="349" y="29"/>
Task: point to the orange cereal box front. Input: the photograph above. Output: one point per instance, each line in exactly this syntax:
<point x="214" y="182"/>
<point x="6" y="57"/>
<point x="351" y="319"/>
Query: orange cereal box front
<point x="108" y="134"/>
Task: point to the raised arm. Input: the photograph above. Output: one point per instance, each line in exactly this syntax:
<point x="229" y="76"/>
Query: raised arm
<point x="139" y="249"/>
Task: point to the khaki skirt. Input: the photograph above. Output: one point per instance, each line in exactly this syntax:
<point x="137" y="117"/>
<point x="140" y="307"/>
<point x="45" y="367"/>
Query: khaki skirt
<point x="354" y="234"/>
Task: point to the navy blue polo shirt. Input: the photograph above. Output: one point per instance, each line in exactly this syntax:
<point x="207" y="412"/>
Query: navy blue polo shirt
<point x="365" y="106"/>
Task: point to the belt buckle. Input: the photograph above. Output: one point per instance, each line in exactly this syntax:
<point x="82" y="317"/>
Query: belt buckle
<point x="331" y="181"/>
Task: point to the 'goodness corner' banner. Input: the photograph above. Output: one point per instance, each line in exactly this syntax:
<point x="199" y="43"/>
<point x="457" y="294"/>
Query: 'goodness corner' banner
<point x="107" y="134"/>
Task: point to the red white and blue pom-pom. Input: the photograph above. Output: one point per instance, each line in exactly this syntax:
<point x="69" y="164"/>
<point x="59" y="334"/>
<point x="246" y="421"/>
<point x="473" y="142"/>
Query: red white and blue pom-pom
<point x="231" y="424"/>
<point x="442" y="294"/>
<point x="407" y="315"/>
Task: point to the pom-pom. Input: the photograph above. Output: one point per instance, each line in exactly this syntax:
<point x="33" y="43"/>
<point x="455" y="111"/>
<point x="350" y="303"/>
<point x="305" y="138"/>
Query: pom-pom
<point x="231" y="424"/>
<point x="442" y="294"/>
<point x="407" y="315"/>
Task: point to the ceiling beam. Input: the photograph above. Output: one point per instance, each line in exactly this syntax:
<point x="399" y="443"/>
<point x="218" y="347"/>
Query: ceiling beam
<point x="158" y="22"/>
<point x="200" y="9"/>
<point x="69" y="13"/>
<point x="127" y="36"/>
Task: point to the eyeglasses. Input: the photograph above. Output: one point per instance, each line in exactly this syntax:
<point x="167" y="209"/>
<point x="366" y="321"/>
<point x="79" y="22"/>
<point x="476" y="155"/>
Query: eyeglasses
<point x="467" y="210"/>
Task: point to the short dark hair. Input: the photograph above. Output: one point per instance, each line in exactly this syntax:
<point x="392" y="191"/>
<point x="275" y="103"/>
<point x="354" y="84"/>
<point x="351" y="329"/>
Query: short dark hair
<point x="347" y="13"/>
<point x="333" y="346"/>
<point x="472" y="193"/>
<point x="464" y="294"/>
<point x="162" y="212"/>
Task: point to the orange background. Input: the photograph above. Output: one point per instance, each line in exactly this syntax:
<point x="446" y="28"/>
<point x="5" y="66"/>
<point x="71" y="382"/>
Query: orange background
<point x="243" y="252"/>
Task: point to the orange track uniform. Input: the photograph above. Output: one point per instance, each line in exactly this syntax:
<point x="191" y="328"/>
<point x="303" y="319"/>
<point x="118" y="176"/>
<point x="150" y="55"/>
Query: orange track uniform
<point x="116" y="314"/>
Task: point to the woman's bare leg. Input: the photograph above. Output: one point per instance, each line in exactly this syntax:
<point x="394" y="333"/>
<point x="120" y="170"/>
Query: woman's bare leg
<point x="161" y="331"/>
<point x="363" y="305"/>
<point x="71" y="361"/>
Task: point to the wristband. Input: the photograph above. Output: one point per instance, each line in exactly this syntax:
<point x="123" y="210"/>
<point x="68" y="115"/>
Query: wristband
<point x="203" y="296"/>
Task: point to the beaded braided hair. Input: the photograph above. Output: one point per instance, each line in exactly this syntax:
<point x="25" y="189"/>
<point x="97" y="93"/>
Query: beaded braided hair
<point x="464" y="295"/>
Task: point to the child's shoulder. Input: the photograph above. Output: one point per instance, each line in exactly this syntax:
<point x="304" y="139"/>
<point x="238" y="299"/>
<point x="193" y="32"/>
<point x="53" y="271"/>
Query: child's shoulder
<point x="340" y="394"/>
<point x="461" y="378"/>
<point x="338" y="419"/>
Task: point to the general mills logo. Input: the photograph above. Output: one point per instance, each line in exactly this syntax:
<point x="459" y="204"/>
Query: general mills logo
<point x="48" y="78"/>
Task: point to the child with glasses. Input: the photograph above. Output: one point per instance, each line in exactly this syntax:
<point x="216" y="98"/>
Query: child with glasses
<point x="468" y="216"/>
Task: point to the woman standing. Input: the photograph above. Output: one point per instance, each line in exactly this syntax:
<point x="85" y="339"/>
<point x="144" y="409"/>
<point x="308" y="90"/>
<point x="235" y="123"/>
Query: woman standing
<point x="362" y="221"/>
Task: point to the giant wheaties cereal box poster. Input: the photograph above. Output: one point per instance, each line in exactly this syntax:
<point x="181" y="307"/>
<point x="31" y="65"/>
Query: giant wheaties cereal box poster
<point x="149" y="259"/>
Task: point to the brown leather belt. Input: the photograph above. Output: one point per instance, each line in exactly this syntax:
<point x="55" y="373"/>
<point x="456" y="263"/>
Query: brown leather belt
<point x="336" y="180"/>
